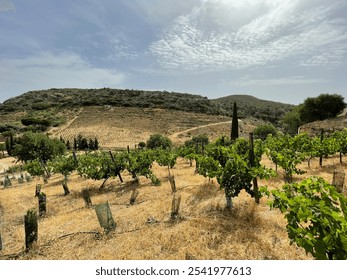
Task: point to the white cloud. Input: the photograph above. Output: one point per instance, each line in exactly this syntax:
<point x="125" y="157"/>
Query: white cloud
<point x="222" y="34"/>
<point x="7" y="6"/>
<point x="121" y="48"/>
<point x="47" y="70"/>
<point x="286" y="81"/>
<point x="161" y="12"/>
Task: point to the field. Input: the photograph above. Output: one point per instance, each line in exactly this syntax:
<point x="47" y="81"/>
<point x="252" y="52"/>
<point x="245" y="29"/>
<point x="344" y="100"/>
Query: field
<point x="119" y="127"/>
<point x="204" y="230"/>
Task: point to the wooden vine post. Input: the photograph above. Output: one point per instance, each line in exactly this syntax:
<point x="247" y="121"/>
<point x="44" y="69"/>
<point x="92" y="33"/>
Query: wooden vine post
<point x="0" y="243"/>
<point x="338" y="180"/>
<point x="175" y="207"/>
<point x="251" y="163"/>
<point x="65" y="187"/>
<point x="105" y="218"/>
<point x="42" y="204"/>
<point x="172" y="183"/>
<point x="7" y="182"/>
<point x="114" y="162"/>
<point x="133" y="197"/>
<point x="38" y="190"/>
<point x="321" y="140"/>
<point x="31" y="228"/>
<point x="86" y="198"/>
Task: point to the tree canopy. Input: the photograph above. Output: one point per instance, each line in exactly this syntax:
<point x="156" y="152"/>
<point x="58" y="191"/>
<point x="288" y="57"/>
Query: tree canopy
<point x="158" y="141"/>
<point x="325" y="106"/>
<point x="31" y="146"/>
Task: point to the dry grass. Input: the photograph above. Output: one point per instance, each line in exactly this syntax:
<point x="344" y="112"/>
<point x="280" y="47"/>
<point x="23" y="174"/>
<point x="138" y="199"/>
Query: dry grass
<point x="205" y="229"/>
<point x="145" y="230"/>
<point x="119" y="127"/>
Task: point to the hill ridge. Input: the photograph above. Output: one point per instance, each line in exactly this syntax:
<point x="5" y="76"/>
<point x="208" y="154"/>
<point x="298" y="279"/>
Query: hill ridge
<point x="248" y="105"/>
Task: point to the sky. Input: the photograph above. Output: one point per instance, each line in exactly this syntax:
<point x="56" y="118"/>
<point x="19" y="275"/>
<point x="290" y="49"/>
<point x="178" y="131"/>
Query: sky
<point x="281" y="50"/>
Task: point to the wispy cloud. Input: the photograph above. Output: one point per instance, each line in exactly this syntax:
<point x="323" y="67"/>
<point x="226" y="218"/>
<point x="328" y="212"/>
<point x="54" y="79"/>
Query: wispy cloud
<point x="7" y="6"/>
<point x="284" y="81"/>
<point x="46" y="70"/>
<point x="276" y="30"/>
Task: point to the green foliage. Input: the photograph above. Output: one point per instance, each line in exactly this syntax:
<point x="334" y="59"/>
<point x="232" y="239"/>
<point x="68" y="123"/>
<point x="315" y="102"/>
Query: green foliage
<point x="67" y="98"/>
<point x="283" y="151"/>
<point x="35" y="121"/>
<point x="64" y="165"/>
<point x="316" y="214"/>
<point x="323" y="107"/>
<point x="7" y="129"/>
<point x="158" y="141"/>
<point x="291" y="121"/>
<point x="31" y="146"/>
<point x="2" y="147"/>
<point x="9" y="143"/>
<point x="34" y="168"/>
<point x="41" y="105"/>
<point x="166" y="158"/>
<point x="139" y="163"/>
<point x="82" y="143"/>
<point x="142" y="145"/>
<point x="341" y="141"/>
<point x="201" y="139"/>
<point x="209" y="167"/>
<point x="100" y="166"/>
<point x="325" y="147"/>
<point x="268" y="111"/>
<point x="262" y="131"/>
<point x="231" y="166"/>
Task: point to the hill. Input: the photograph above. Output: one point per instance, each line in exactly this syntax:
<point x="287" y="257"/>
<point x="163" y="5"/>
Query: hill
<point x="328" y="125"/>
<point x="67" y="98"/>
<point x="258" y="108"/>
<point x="119" y="118"/>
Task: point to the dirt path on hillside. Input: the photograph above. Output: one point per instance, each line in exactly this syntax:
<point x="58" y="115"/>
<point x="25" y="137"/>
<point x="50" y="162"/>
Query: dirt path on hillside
<point x="176" y="136"/>
<point x="59" y="129"/>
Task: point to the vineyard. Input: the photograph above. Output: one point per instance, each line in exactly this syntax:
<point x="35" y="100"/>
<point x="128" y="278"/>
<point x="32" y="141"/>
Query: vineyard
<point x="224" y="200"/>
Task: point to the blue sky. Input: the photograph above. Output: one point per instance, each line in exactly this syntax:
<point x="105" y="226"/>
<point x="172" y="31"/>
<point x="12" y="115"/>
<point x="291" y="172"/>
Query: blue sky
<point x="282" y="50"/>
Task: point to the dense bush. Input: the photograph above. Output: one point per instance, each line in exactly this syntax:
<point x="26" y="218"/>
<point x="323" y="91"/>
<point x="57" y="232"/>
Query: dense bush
<point x="158" y="141"/>
<point x="201" y="139"/>
<point x="323" y="107"/>
<point x="262" y="131"/>
<point x="33" y="146"/>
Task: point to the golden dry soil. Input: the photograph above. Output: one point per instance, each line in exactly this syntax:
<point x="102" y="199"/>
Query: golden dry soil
<point x="119" y="127"/>
<point x="204" y="230"/>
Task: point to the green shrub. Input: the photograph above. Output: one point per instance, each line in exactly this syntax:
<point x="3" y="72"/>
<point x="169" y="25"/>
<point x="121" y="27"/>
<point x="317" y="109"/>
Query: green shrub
<point x="201" y="139"/>
<point x="158" y="141"/>
<point x="262" y="131"/>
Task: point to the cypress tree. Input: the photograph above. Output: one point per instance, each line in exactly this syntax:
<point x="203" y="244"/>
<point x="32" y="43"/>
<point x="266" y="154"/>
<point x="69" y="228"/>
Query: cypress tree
<point x="8" y="147"/>
<point x="96" y="144"/>
<point x="68" y="145"/>
<point x="91" y="144"/>
<point x="75" y="146"/>
<point x="234" y="124"/>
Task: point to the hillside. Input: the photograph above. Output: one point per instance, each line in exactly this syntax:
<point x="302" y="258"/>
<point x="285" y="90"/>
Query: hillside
<point x="329" y="125"/>
<point x="258" y="108"/>
<point x="70" y="98"/>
